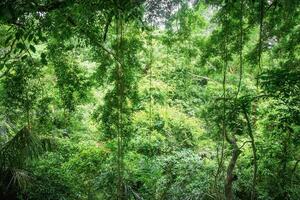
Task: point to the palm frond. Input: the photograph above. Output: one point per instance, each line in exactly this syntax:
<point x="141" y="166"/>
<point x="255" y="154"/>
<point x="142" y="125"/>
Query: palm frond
<point x="16" y="149"/>
<point x="23" y="145"/>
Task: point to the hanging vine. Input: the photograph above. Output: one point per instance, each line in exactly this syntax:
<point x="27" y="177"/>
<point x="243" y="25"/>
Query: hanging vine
<point x="120" y="90"/>
<point x="224" y="72"/>
<point x="241" y="46"/>
<point x="150" y="81"/>
<point x="261" y="20"/>
<point x="230" y="177"/>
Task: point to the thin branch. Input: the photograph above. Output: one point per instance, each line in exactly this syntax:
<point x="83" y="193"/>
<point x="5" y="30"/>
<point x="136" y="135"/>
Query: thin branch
<point x="250" y="133"/>
<point x="5" y="73"/>
<point x="10" y="49"/>
<point x="109" y="20"/>
<point x="93" y="38"/>
<point x="244" y="143"/>
<point x="203" y="77"/>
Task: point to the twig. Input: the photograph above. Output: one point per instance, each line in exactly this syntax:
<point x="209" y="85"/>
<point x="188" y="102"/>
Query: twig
<point x="244" y="143"/>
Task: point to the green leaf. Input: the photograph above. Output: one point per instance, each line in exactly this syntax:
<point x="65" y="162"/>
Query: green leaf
<point x="8" y="39"/>
<point x="43" y="59"/>
<point x="24" y="57"/>
<point x="43" y="39"/>
<point x="30" y="37"/>
<point x="43" y="55"/>
<point x="35" y="41"/>
<point x="32" y="48"/>
<point x="20" y="46"/>
<point x="18" y="34"/>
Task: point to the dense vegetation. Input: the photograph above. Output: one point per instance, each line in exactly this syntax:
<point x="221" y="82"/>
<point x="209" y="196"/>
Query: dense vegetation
<point x="146" y="99"/>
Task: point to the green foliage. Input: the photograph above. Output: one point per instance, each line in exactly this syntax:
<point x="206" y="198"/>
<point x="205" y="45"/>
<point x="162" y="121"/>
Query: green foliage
<point x="149" y="99"/>
<point x="68" y="172"/>
<point x="168" y="130"/>
<point x="71" y="80"/>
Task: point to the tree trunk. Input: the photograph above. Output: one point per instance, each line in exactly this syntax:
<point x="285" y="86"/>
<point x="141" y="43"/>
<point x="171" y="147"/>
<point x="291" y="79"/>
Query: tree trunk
<point x="250" y="133"/>
<point x="230" y="169"/>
